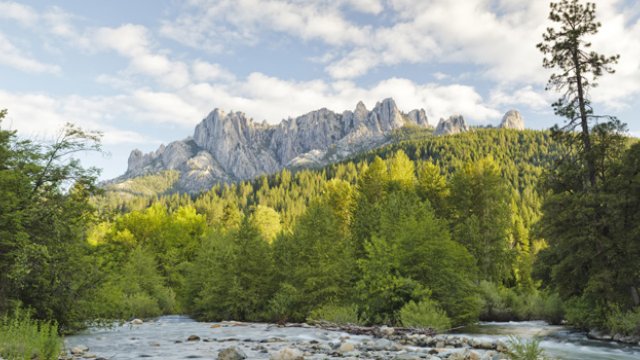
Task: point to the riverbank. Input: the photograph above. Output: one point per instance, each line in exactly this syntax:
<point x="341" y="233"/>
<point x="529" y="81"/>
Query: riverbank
<point x="619" y="338"/>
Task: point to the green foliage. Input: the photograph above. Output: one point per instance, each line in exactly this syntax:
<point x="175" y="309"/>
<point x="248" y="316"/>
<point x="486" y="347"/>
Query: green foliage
<point x="512" y="304"/>
<point x="336" y="314"/>
<point x="44" y="214"/>
<point x="519" y="349"/>
<point x="267" y="221"/>
<point x="481" y="217"/>
<point x="583" y="314"/>
<point x="593" y="232"/>
<point x="232" y="277"/>
<point x="24" y="338"/>
<point x="286" y="305"/>
<point x="624" y="323"/>
<point x="135" y="194"/>
<point x="382" y="289"/>
<point x="135" y="290"/>
<point x="424" y="314"/>
<point x="553" y="310"/>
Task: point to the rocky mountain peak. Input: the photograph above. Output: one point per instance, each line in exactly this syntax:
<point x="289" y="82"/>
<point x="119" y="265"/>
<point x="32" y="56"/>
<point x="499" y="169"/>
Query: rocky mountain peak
<point x="512" y="119"/>
<point x="453" y="125"/>
<point x="231" y="146"/>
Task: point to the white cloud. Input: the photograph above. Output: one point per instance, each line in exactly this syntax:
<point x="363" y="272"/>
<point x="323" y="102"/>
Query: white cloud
<point x="210" y="25"/>
<point x="205" y="71"/>
<point x="527" y="96"/>
<point x="18" y="12"/>
<point x="15" y="58"/>
<point x="497" y="37"/>
<point x="38" y="115"/>
<point x="366" y="6"/>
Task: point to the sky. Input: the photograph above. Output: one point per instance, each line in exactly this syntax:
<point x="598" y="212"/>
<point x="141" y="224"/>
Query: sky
<point x="145" y="72"/>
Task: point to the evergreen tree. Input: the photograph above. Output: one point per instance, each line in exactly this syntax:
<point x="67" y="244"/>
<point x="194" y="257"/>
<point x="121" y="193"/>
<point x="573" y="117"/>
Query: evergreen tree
<point x="481" y="217"/>
<point x="568" y="50"/>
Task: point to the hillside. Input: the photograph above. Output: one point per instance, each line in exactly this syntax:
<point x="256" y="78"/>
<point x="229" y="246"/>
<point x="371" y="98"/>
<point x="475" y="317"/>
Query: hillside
<point x="522" y="155"/>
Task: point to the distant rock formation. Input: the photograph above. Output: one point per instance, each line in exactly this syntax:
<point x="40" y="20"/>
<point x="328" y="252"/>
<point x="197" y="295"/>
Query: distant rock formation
<point x="512" y="119"/>
<point x="455" y="124"/>
<point x="230" y="146"/>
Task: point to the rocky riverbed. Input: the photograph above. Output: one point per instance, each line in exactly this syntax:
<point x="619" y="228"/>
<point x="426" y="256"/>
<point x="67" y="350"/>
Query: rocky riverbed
<point x="178" y="337"/>
<point x="175" y="337"/>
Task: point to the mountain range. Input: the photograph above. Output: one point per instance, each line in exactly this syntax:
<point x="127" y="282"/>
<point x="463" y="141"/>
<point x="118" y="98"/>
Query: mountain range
<point x="227" y="147"/>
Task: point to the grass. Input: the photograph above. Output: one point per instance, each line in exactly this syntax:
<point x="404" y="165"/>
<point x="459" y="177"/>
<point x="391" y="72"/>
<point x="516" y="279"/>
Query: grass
<point x="24" y="338"/>
<point x="519" y="349"/>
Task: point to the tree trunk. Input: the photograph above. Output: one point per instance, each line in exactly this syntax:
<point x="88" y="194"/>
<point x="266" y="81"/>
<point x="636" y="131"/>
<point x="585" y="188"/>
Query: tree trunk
<point x="584" y="122"/>
<point x="635" y="296"/>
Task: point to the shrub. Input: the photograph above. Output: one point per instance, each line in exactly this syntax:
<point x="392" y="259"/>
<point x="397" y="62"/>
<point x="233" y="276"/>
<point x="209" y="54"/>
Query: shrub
<point x="552" y="309"/>
<point x="24" y="338"/>
<point x="509" y="304"/>
<point x="424" y="314"/>
<point x="519" y="349"/>
<point x="627" y="323"/>
<point x="583" y="315"/>
<point x="336" y="314"/>
<point x="285" y="304"/>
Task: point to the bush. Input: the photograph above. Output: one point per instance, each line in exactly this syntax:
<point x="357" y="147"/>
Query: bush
<point x="336" y="314"/>
<point x="519" y="349"/>
<point x="552" y="309"/>
<point x="285" y="304"/>
<point x="627" y="323"/>
<point x="500" y="303"/>
<point x="509" y="304"/>
<point x="424" y="314"/>
<point x="24" y="338"/>
<point x="583" y="315"/>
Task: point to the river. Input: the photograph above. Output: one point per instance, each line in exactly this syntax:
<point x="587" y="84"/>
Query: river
<point x="166" y="338"/>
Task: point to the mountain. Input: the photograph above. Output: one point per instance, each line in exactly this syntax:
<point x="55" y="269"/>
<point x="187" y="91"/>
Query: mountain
<point x="228" y="147"/>
<point x="512" y="120"/>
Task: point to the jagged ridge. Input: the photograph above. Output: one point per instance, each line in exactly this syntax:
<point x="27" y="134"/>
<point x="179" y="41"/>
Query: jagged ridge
<point x="231" y="146"/>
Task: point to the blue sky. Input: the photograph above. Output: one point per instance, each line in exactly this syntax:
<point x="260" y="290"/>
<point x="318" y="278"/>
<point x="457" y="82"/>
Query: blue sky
<point x="145" y="72"/>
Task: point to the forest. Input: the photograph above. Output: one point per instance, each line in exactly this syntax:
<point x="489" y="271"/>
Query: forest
<point x="430" y="232"/>
<point x="427" y="232"/>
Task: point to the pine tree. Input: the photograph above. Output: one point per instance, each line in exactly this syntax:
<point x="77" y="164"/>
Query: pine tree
<point x="568" y="50"/>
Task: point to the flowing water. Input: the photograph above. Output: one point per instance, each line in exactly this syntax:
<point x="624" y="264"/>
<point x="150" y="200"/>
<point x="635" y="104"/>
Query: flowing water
<point x="165" y="338"/>
<point x="557" y="341"/>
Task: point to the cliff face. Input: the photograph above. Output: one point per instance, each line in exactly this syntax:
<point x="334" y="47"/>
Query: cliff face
<point x="231" y="146"/>
<point x="512" y="119"/>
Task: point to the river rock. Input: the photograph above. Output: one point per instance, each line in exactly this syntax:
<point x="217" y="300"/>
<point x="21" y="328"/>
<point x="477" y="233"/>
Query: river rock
<point x="386" y="331"/>
<point x="136" y="322"/>
<point x="346" y="347"/>
<point x="231" y="353"/>
<point x="79" y="350"/>
<point x="193" y="338"/>
<point x="599" y="335"/>
<point x="287" y="354"/>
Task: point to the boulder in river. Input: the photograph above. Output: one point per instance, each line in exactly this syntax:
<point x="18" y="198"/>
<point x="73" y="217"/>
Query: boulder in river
<point x="79" y="350"/>
<point x="193" y="338"/>
<point x="231" y="353"/>
<point x="346" y="347"/>
<point x="136" y="322"/>
<point x="287" y="354"/>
